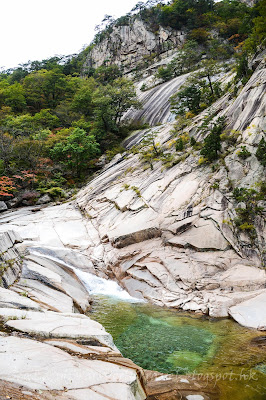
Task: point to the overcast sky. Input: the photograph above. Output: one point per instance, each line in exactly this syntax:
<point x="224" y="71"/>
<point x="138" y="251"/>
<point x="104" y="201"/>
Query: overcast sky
<point x="38" y="29"/>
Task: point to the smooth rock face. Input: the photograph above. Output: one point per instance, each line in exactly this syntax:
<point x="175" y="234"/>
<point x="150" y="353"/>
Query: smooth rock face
<point x="173" y="243"/>
<point x="243" y="277"/>
<point x="13" y="300"/>
<point x="49" y="324"/>
<point x="10" y="259"/>
<point x="40" y="371"/>
<point x="49" y="298"/>
<point x="156" y="105"/>
<point x="251" y="313"/>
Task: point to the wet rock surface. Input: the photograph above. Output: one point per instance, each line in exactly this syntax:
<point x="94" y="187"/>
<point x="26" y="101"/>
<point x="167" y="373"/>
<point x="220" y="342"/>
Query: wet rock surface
<point x="169" y="387"/>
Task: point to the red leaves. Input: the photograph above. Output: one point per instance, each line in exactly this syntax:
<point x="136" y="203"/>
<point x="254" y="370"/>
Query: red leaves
<point x="7" y="186"/>
<point x="28" y="176"/>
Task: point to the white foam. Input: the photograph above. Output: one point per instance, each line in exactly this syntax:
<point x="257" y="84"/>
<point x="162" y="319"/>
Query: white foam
<point x="93" y="283"/>
<point x="96" y="285"/>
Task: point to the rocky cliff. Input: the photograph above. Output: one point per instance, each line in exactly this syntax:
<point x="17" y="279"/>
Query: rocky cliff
<point x="167" y="233"/>
<point x="164" y="229"/>
<point x="128" y="46"/>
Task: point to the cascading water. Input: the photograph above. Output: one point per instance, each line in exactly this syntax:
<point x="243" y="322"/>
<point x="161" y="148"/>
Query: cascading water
<point x="101" y="286"/>
<point x="94" y="284"/>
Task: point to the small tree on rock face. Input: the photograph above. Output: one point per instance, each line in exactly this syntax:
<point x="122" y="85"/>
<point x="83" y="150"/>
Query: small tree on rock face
<point x="261" y="152"/>
<point x="76" y="152"/>
<point x="208" y="70"/>
<point x="242" y="70"/>
<point x="199" y="90"/>
<point x="187" y="99"/>
<point x="212" y="143"/>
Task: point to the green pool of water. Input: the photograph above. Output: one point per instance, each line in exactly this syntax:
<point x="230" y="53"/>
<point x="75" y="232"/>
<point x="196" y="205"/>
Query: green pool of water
<point x="176" y="342"/>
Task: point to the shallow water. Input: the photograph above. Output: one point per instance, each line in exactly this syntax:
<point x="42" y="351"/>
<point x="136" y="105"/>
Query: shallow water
<point x="176" y="342"/>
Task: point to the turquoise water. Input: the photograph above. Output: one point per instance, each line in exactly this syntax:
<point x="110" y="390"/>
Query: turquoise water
<point x="164" y="347"/>
<point x="176" y="342"/>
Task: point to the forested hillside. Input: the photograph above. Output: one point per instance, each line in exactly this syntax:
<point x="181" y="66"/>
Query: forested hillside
<point x="59" y="115"/>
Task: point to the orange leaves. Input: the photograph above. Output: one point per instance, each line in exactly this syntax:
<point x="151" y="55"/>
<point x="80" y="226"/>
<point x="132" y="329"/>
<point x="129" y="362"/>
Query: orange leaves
<point x="7" y="186"/>
<point x="10" y="185"/>
<point x="28" y="176"/>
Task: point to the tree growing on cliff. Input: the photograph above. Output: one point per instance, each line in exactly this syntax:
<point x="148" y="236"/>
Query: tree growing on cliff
<point x="212" y="143"/>
<point x="199" y="91"/>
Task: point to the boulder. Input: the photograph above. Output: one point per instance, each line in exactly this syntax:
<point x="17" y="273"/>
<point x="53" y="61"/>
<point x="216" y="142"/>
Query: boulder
<point x="14" y="202"/>
<point x="3" y="206"/>
<point x="251" y="313"/>
<point x="44" y="199"/>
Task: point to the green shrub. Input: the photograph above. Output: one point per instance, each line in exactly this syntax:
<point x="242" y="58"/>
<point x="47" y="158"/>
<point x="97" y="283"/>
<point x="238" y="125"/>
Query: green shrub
<point x="200" y="35"/>
<point x="55" y="192"/>
<point x="230" y="136"/>
<point x="193" y="141"/>
<point x="242" y="70"/>
<point x="136" y="190"/>
<point x="165" y="73"/>
<point x="212" y="143"/>
<point x="244" y="153"/>
<point x="179" y="145"/>
<point x="246" y="215"/>
<point x="261" y="152"/>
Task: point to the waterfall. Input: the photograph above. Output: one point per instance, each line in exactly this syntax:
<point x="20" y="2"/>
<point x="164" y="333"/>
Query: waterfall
<point x="94" y="284"/>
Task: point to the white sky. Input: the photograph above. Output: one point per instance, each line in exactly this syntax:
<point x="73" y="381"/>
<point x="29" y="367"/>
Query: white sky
<point x="39" y="29"/>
